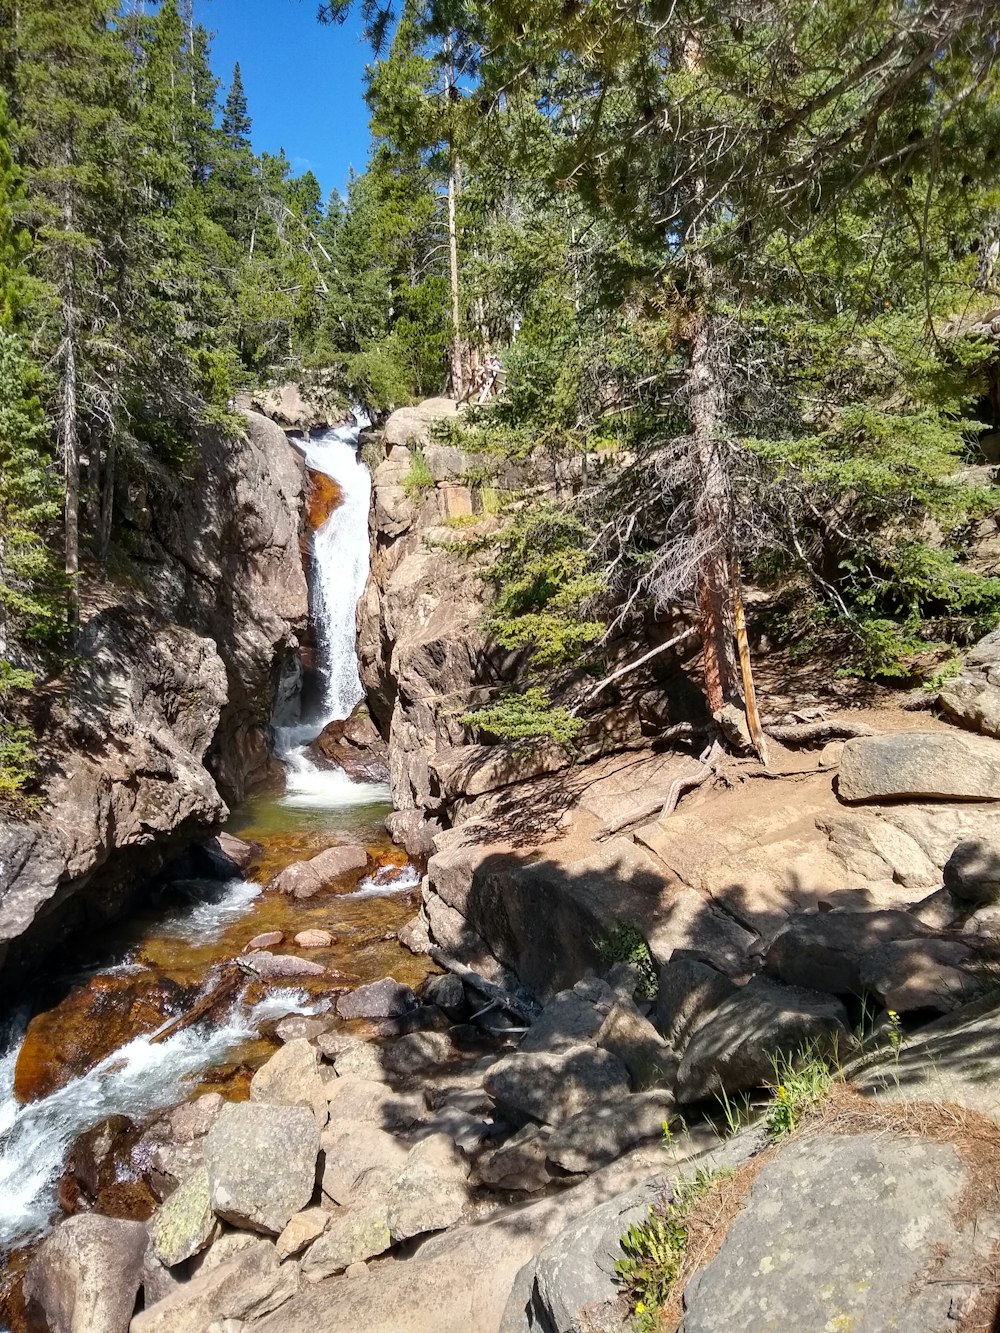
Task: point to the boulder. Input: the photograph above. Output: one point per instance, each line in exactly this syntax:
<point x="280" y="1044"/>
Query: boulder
<point x="419" y="1053"/>
<point x="291" y="1078"/>
<point x="85" y="1276"/>
<point x="381" y="999"/>
<point x="788" y="1260"/>
<point x="367" y="1102"/>
<point x="242" y="854"/>
<point x="353" y="1234"/>
<point x="302" y="1229"/>
<point x="824" y="950"/>
<point x="641" y="1049"/>
<point x="314" y="939"/>
<point x="194" y="1119"/>
<point x="520" y="1163"/>
<point x="692" y="925"/>
<point x="942" y="766"/>
<point x="359" y="1161"/>
<point x="302" y="879"/>
<point x="246" y="1286"/>
<point x="734" y="1050"/>
<point x="361" y="1061"/>
<point x="688" y="993"/>
<point x="185" y="1223"/>
<point x="267" y="939"/>
<point x="261" y="1162"/>
<point x="972" y="874"/>
<point x="295" y="1026"/>
<point x="411" y="830"/>
<point x="448" y="993"/>
<point x="551" y="1086"/>
<point x="974" y="702"/>
<point x="569" y="1019"/>
<point x="926" y="974"/>
<point x="430" y="1193"/>
<point x="276" y="966"/>
<point x="602" y="1132"/>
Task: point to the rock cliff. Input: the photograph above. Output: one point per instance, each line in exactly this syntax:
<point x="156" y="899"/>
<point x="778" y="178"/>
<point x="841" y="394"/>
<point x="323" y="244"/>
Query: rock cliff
<point x="160" y="720"/>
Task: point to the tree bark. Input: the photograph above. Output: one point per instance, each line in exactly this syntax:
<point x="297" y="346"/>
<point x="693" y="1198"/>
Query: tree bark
<point x="107" y="502"/>
<point x="457" y="378"/>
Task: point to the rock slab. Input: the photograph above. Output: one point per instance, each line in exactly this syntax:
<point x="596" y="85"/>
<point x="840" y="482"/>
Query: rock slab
<point x="261" y="1162"/>
<point x="940" y="766"/>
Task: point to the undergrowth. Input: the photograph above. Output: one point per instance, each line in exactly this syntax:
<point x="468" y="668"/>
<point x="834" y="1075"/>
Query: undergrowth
<point x="419" y="478"/>
<point x="625" y="944"/>
<point x="524" y="715"/>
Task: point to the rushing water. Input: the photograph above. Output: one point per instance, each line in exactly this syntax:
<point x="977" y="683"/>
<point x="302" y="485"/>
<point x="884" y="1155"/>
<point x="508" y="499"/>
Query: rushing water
<point x="206" y="923"/>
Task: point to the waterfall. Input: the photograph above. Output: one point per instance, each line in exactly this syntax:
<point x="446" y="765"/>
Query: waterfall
<point x="340" y="565"/>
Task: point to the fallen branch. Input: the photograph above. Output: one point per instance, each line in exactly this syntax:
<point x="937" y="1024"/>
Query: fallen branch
<point x="221" y="991"/>
<point x="640" y="661"/>
<point x="524" y="1009"/>
<point x="807" y="733"/>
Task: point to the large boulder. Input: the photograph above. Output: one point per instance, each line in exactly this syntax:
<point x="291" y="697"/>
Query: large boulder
<point x="430" y="1192"/>
<point x="261" y="1162"/>
<point x="973" y="702"/>
<point x="303" y="879"/>
<point x="944" y="765"/>
<point x="972" y="873"/>
<point x="688" y="993"/>
<point x="291" y="1077"/>
<point x="551" y="1086"/>
<point x="607" y="1130"/>
<point x="85" y="1276"/>
<point x="734" y="1050"/>
<point x="379" y="999"/>
<point x="789" y="1260"/>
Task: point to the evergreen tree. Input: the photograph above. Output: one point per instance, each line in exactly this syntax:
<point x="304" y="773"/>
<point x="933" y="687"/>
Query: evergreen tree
<point x="236" y="122"/>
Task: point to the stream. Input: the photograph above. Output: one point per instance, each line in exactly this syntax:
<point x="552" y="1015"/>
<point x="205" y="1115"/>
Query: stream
<point x="92" y="1049"/>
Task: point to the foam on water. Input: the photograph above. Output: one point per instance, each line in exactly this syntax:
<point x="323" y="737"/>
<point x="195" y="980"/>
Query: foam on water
<point x="387" y="881"/>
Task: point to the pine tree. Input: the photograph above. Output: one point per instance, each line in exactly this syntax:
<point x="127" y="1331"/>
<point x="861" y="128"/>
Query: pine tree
<point x="236" y="122"/>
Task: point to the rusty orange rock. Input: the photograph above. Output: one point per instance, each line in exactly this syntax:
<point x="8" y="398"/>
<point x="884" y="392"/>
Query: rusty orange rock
<point x="323" y="498"/>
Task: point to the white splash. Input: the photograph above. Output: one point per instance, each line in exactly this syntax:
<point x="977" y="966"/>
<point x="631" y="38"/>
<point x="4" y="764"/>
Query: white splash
<point x="136" y="1080"/>
<point x="387" y="881"/>
<point x="211" y="907"/>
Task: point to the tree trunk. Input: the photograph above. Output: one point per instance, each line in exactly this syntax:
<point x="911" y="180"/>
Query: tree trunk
<point x="71" y="465"/>
<point x="107" y="502"/>
<point x="713" y="523"/>
<point x="457" y="378"/>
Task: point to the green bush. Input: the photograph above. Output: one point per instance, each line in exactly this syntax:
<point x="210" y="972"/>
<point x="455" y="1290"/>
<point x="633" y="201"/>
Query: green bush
<point x="524" y="716"/>
<point x="419" y="478"/>
<point x="625" y="944"/>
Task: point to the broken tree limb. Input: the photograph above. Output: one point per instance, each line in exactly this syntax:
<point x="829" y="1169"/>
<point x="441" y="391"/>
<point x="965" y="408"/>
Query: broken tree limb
<point x="521" y="1007"/>
<point x="640" y="661"/>
<point x="221" y="991"/>
<point x="746" y="668"/>
<point x="808" y="733"/>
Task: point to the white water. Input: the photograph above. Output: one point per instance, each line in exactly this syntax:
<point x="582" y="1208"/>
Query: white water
<point x="387" y="881"/>
<point x="136" y="1080"/>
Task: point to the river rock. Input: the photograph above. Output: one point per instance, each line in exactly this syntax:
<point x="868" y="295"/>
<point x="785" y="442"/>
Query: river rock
<point x="552" y="1086"/>
<point x="788" y="1260"/>
<point x="412" y="831"/>
<point x="246" y="1286"/>
<point x="291" y="1078"/>
<point x="305" y="878"/>
<point x="734" y="1050"/>
<point x="314" y="939"/>
<point x="430" y="1193"/>
<point x="275" y="966"/>
<point x="85" y="1276"/>
<point x="355" y="1233"/>
<point x="194" y="1119"/>
<point x="600" y="1133"/>
<point x="418" y="1053"/>
<point x="448" y="993"/>
<point x="294" y="1026"/>
<point x="266" y="940"/>
<point x="242" y="854"/>
<point x="972" y="874"/>
<point x="261" y="1162"/>
<point x="301" y="1231"/>
<point x="185" y="1223"/>
<point x="946" y="766"/>
<point x="380" y="999"/>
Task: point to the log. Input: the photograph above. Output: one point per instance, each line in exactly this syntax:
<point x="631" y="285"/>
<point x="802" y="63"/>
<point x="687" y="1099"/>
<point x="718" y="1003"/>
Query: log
<point x="220" y="991"/>
<point x="527" y="1010"/>
<point x="809" y="733"/>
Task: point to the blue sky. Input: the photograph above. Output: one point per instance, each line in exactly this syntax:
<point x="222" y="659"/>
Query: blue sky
<point x="304" y="81"/>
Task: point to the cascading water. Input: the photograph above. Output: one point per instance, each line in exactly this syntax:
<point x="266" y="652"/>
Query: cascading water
<point x="340" y="567"/>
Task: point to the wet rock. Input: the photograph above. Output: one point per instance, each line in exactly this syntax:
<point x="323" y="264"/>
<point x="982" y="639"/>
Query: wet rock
<point x="314" y="939"/>
<point x="972" y="874"/>
<point x="185" y="1223"/>
<point x="265" y="940"/>
<point x="734" y="1049"/>
<point x="520" y="1163"/>
<point x="600" y="1133"/>
<point x="430" y="1193"/>
<point x="95" y="1157"/>
<point x="552" y="1086"/>
<point x="302" y="1230"/>
<point x="247" y="1286"/>
<point x="242" y="854"/>
<point x="261" y="1162"/>
<point x="766" y="1273"/>
<point x="305" y="878"/>
<point x="939" y="765"/>
<point x="381" y="999"/>
<point x="166" y="1162"/>
<point x="353" y="1234"/>
<point x="641" y="1049"/>
<point x="194" y="1119"/>
<point x="85" y="1276"/>
<point x="291" y="1078"/>
<point x="275" y="966"/>
<point x="688" y="993"/>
